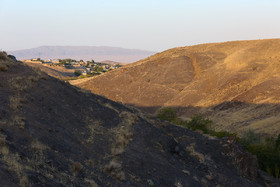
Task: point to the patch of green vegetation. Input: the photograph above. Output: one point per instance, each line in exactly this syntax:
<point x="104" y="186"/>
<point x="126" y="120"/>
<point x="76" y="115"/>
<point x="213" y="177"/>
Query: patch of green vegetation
<point x="167" y="114"/>
<point x="98" y="69"/>
<point x="267" y="150"/>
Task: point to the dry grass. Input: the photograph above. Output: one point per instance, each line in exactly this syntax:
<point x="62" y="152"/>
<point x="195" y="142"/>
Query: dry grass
<point x="23" y="83"/>
<point x="108" y="105"/>
<point x="91" y="128"/>
<point x="38" y="146"/>
<point x="123" y="132"/>
<point x="196" y="154"/>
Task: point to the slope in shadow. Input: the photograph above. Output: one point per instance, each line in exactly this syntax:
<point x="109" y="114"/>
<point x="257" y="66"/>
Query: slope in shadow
<point x="232" y="116"/>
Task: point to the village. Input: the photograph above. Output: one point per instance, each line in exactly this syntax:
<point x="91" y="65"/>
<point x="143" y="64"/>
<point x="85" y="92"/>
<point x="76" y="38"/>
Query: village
<point x="80" y="68"/>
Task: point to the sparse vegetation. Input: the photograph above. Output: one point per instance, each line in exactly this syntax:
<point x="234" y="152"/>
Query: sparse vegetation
<point x="167" y="114"/>
<point x="267" y="150"/>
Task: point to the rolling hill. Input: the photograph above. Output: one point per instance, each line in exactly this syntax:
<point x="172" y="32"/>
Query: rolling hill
<point x="236" y="84"/>
<point x="53" y="134"/>
<point x="83" y="52"/>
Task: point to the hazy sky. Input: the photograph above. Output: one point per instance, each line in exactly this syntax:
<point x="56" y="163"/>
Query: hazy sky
<point x="140" y="24"/>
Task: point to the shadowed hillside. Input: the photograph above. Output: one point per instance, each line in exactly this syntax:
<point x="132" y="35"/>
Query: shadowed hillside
<point x="52" y="133"/>
<point x="202" y="76"/>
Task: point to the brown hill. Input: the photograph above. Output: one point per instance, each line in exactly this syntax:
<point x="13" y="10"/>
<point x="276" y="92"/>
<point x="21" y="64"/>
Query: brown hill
<point x="201" y="77"/>
<point x="53" y="134"/>
<point x="112" y="62"/>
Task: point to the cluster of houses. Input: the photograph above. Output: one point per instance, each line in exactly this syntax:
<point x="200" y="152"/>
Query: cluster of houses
<point x="88" y="67"/>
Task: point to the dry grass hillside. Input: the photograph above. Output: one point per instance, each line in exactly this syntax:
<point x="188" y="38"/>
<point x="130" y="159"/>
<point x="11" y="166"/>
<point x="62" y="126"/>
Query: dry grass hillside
<point x="54" y="71"/>
<point x="53" y="134"/>
<point x="196" y="79"/>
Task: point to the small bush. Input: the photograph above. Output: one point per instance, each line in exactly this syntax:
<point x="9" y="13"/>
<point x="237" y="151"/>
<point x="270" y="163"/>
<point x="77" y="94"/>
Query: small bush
<point x="3" y="55"/>
<point x="167" y="114"/>
<point x="78" y="72"/>
<point x="77" y="167"/>
<point x="267" y="151"/>
<point x="199" y="123"/>
<point x="250" y="137"/>
<point x="3" y="67"/>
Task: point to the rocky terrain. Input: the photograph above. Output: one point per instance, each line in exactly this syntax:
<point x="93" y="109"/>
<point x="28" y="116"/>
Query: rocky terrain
<point x="52" y="133"/>
<point x="236" y="84"/>
<point x="101" y="53"/>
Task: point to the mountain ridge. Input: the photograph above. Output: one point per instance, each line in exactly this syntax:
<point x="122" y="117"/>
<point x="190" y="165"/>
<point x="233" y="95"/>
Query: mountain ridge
<point x="97" y="53"/>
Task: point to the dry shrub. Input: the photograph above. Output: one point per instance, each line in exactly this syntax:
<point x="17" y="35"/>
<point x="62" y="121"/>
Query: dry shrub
<point x="18" y="121"/>
<point x="2" y="139"/>
<point x="3" y="67"/>
<point x="123" y="132"/>
<point x="114" y="168"/>
<point x="12" y="160"/>
<point x="39" y="148"/>
<point x="24" y="182"/>
<point x="16" y="102"/>
<point x="122" y="139"/>
<point x="77" y="167"/>
<point x="128" y="117"/>
<point x="91" y="183"/>
<point x="4" y="150"/>
<point x="196" y="154"/>
<point x="3" y="56"/>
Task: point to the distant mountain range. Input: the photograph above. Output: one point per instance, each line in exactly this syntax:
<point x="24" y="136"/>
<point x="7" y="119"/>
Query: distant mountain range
<point x="83" y="52"/>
